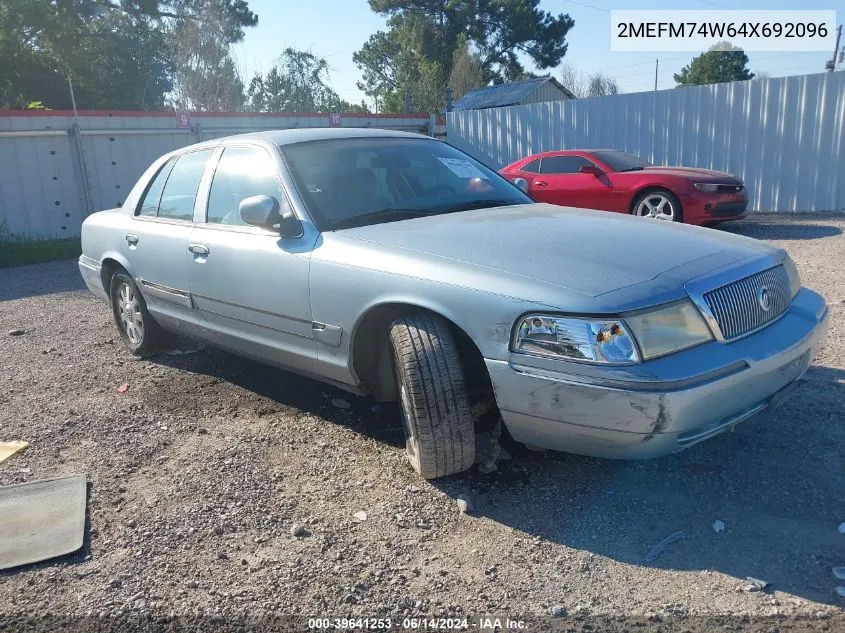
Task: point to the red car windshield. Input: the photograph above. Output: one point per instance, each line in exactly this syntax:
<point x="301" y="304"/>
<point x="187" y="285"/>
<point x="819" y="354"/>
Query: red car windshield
<point x="621" y="161"/>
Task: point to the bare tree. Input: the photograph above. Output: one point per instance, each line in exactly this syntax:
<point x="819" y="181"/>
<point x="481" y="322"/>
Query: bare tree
<point x="583" y="86"/>
<point x="205" y="75"/>
<point x="573" y="80"/>
<point x="467" y="72"/>
<point x="600" y="85"/>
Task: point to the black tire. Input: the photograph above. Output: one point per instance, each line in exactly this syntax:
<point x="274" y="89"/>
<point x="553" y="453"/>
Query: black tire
<point x="678" y="215"/>
<point x="439" y="434"/>
<point x="139" y="331"/>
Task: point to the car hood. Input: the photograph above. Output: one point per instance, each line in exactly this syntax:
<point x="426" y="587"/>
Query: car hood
<point x="591" y="253"/>
<point x="693" y="173"/>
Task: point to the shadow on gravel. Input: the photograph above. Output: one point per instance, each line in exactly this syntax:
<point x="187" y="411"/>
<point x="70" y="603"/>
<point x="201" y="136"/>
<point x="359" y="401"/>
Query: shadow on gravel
<point x="776" y="483"/>
<point x="276" y="390"/>
<point x="782" y="230"/>
<point x="35" y="280"/>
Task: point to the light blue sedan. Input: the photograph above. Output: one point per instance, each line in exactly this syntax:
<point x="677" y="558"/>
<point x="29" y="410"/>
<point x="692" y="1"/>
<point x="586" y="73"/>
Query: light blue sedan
<point x="394" y="264"/>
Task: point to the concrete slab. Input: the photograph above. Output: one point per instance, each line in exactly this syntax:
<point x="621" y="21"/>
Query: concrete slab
<point x="41" y="519"/>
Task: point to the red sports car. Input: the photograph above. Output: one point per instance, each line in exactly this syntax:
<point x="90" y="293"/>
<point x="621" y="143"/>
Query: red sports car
<point x="617" y="181"/>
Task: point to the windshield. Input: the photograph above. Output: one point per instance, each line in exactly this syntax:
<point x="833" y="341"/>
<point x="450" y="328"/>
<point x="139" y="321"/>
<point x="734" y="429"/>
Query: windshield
<point x="621" y="161"/>
<point x="358" y="181"/>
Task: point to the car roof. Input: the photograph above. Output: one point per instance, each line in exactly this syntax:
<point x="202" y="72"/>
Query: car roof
<point x="565" y="152"/>
<point x="301" y="135"/>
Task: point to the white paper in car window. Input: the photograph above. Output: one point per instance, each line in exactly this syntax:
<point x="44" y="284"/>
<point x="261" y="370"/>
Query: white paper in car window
<point x="462" y="168"/>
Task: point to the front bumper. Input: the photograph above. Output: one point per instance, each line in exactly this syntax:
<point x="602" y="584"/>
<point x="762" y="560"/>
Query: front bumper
<point x="663" y="405"/>
<point x="705" y="207"/>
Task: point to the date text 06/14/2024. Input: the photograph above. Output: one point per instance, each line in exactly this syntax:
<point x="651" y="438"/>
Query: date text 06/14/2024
<point x="484" y="623"/>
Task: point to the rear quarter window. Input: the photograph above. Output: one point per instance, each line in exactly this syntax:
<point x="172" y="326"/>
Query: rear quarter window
<point x="149" y="203"/>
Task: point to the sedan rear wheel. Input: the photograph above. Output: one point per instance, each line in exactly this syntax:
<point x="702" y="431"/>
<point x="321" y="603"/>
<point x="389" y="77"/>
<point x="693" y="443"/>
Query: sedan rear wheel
<point x="439" y="434"/>
<point x="658" y="204"/>
<point x="140" y="333"/>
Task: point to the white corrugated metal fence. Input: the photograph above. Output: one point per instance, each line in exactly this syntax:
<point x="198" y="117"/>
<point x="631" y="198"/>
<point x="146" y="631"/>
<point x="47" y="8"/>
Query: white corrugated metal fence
<point x="52" y="174"/>
<point x="784" y="137"/>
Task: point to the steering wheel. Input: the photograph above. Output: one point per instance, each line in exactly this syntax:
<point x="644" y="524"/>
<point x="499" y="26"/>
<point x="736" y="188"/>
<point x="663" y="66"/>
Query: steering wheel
<point x="441" y="187"/>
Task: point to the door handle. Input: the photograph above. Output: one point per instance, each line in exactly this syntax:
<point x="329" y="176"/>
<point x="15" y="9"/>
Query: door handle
<point x="198" y="249"/>
<point x="540" y="183"/>
<point x="131" y="239"/>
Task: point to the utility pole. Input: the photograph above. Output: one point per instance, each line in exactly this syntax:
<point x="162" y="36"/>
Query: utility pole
<point x="448" y="98"/>
<point x="831" y="65"/>
<point x="656" y="66"/>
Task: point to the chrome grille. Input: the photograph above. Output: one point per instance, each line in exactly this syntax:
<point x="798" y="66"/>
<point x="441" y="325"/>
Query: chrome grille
<point x="737" y="306"/>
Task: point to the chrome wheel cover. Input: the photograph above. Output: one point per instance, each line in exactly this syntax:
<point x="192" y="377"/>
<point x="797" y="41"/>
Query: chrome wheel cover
<point x="657" y="206"/>
<point x="128" y="310"/>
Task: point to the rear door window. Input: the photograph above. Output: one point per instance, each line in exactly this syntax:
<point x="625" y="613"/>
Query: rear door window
<point x="180" y="192"/>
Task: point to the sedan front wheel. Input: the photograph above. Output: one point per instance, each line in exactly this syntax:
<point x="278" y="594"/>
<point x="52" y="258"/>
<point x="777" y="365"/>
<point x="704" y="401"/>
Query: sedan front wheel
<point x="439" y="433"/>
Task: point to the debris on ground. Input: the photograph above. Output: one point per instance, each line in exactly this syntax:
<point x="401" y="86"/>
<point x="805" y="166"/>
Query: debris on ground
<point x="123" y="388"/>
<point x="464" y="505"/>
<point x="41" y="519"/>
<point x="557" y="611"/>
<point x="340" y="403"/>
<point x="16" y="332"/>
<point x="658" y="549"/>
<point x="360" y="516"/>
<point x="298" y="530"/>
<point x="413" y="488"/>
<point x="7" y="449"/>
<point x="718" y="526"/>
<point x="488" y="450"/>
<point x="755" y="584"/>
<point x="183" y="351"/>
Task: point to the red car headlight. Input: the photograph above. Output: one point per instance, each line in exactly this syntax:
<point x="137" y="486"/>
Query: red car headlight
<point x="708" y="187"/>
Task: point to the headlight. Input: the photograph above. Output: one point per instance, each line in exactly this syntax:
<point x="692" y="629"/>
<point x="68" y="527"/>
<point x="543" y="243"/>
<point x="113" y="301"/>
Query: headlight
<point x="793" y="276"/>
<point x="574" y="338"/>
<point x="706" y="186"/>
<point x="668" y="329"/>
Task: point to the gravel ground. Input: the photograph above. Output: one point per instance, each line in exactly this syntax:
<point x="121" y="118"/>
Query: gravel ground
<point x="221" y="486"/>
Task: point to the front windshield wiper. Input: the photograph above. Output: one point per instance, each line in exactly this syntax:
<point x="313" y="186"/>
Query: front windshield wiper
<point x="468" y="205"/>
<point x="382" y="214"/>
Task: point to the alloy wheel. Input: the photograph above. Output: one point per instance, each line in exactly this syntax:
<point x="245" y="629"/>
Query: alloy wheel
<point x="129" y="313"/>
<point x="656" y="206"/>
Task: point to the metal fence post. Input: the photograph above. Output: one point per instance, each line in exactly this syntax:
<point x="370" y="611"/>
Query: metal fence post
<point x="82" y="168"/>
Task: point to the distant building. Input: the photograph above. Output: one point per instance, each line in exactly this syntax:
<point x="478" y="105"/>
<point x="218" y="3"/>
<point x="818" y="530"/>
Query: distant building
<point x="537" y="90"/>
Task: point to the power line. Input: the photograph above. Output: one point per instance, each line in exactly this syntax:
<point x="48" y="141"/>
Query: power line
<point x="589" y="6"/>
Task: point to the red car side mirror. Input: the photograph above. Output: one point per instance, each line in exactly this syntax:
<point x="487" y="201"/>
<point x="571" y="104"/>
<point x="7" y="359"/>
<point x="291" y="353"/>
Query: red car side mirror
<point x="590" y="169"/>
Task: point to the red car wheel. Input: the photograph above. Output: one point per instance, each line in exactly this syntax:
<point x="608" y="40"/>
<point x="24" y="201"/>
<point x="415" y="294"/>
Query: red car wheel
<point x="659" y="204"/>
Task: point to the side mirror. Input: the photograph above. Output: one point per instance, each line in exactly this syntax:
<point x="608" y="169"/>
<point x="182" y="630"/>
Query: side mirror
<point x="521" y="184"/>
<point x="263" y="211"/>
<point x="590" y="169"/>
